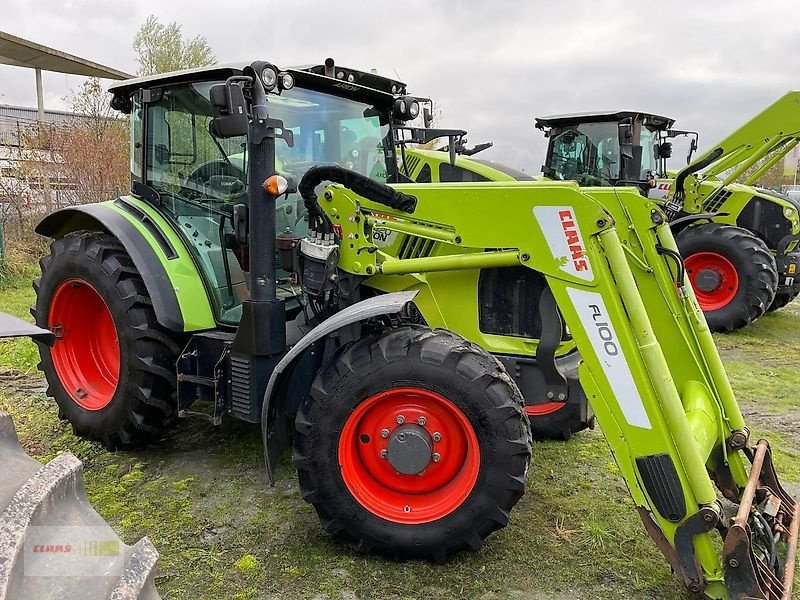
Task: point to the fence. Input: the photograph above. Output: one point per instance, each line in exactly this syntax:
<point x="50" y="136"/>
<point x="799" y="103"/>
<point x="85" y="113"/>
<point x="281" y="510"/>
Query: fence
<point x="20" y="246"/>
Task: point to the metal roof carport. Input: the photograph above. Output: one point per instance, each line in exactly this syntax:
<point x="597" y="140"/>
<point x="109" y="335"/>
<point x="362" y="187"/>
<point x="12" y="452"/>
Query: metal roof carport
<point x="19" y="52"/>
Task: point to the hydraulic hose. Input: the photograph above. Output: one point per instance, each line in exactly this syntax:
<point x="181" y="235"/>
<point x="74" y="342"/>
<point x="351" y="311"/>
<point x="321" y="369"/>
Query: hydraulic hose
<point x="675" y="210"/>
<point x="360" y="184"/>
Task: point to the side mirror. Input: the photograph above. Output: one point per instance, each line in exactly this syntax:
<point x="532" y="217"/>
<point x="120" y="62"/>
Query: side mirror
<point x="228" y="110"/>
<point x="625" y="132"/>
<point x="692" y="149"/>
<point x="427" y="117"/>
<point x="664" y="149"/>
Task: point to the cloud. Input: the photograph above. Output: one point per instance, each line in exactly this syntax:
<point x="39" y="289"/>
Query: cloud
<point x="491" y="66"/>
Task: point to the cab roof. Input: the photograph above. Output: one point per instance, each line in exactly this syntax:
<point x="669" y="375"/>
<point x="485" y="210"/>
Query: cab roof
<point x="658" y="121"/>
<point x="369" y="87"/>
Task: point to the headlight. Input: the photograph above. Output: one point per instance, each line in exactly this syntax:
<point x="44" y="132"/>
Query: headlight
<point x="287" y="81"/>
<point x="789" y="212"/>
<point x="351" y="78"/>
<point x="406" y="108"/>
<point x="269" y="77"/>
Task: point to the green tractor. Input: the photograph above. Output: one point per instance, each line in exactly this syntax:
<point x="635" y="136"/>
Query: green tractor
<point x="740" y="243"/>
<point x="391" y="344"/>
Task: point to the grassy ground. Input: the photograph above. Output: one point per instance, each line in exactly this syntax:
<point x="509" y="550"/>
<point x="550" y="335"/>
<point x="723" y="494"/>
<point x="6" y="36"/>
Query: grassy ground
<point x="201" y="496"/>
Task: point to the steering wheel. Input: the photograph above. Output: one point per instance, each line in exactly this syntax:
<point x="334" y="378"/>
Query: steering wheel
<point x="218" y="175"/>
<point x="588" y="180"/>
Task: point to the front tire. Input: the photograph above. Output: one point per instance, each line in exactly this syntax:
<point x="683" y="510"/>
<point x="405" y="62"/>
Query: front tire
<point x="413" y="444"/>
<point x="732" y="272"/>
<point x="112" y="368"/>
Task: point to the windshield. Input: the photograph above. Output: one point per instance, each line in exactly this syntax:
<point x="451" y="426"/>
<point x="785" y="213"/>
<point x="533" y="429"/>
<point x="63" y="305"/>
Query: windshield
<point x="199" y="176"/>
<point x="587" y="153"/>
<point x="184" y="158"/>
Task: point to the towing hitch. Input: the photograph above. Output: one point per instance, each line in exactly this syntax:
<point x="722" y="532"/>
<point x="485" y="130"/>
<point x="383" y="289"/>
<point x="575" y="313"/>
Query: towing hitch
<point x="767" y="518"/>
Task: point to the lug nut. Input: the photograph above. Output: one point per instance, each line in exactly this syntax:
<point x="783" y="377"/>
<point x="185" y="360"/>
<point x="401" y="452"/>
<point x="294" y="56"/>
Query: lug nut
<point x="562" y="397"/>
<point x="384" y="453"/>
<point x="436" y="457"/>
<point x="437" y="436"/>
<point x="422" y="420"/>
<point x="400" y="419"/>
<point x="551" y="395"/>
<point x="384" y="433"/>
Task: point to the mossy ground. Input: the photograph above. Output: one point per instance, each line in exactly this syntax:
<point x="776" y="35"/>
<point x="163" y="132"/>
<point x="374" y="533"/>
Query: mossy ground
<point x="201" y="497"/>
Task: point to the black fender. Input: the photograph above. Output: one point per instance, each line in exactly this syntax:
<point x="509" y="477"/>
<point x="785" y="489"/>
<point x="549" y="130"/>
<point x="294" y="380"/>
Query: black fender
<point x="681" y="223"/>
<point x="100" y="217"/>
<point x="303" y="358"/>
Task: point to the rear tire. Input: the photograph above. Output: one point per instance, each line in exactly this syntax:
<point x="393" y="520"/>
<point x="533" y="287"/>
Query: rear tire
<point x="127" y="396"/>
<point x="732" y="272"/>
<point x="435" y="381"/>
<point x="558" y="424"/>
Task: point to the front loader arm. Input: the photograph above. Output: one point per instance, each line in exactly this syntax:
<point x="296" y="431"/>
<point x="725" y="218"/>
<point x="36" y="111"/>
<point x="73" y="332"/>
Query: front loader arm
<point x="769" y="135"/>
<point x="650" y="367"/>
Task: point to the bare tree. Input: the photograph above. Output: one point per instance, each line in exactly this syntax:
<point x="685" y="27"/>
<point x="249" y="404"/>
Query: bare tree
<point x="85" y="158"/>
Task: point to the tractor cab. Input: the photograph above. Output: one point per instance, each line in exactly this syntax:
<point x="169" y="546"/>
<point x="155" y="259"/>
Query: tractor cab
<point x="607" y="148"/>
<point x="197" y="174"/>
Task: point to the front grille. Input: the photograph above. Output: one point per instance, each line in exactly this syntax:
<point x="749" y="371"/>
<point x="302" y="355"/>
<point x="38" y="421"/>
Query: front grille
<point x="714" y="203"/>
<point x="411" y="162"/>
<point x="415" y="247"/>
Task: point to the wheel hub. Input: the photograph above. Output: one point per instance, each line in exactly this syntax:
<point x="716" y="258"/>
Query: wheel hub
<point x="714" y="279"/>
<point x="86" y="354"/>
<point x="708" y="280"/>
<point x="409" y="455"/>
<point x="410" y="449"/>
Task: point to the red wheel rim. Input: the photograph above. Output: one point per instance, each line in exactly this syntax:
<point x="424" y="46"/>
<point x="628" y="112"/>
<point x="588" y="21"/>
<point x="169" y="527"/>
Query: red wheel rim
<point x="374" y="482"/>
<point x="545" y="408"/>
<point x="86" y="352"/>
<point x="705" y="267"/>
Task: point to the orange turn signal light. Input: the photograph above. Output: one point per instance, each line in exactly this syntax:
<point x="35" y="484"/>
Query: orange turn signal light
<point x="276" y="185"/>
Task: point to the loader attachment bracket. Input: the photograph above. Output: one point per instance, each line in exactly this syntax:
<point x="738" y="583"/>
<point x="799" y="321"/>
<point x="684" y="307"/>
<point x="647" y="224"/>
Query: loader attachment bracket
<point x="753" y="572"/>
<point x="14" y="327"/>
<point x="703" y="521"/>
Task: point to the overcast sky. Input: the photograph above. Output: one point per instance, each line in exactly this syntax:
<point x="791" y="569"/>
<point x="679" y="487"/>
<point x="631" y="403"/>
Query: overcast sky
<point x="491" y="65"/>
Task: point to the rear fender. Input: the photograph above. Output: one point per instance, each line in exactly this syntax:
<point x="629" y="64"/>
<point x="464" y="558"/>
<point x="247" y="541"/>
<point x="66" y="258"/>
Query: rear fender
<point x="175" y="287"/>
<point x="300" y="365"/>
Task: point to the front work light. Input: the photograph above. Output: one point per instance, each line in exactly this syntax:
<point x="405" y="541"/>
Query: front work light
<point x="269" y="77"/>
<point x="287" y="81"/>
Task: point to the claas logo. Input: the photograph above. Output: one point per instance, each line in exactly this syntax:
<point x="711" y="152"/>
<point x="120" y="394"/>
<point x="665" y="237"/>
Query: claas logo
<point x="573" y="240"/>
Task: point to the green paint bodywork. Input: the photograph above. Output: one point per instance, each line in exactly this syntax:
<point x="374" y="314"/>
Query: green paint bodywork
<point x="657" y="327"/>
<point x="184" y="275"/>
<point x="417" y="158"/>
